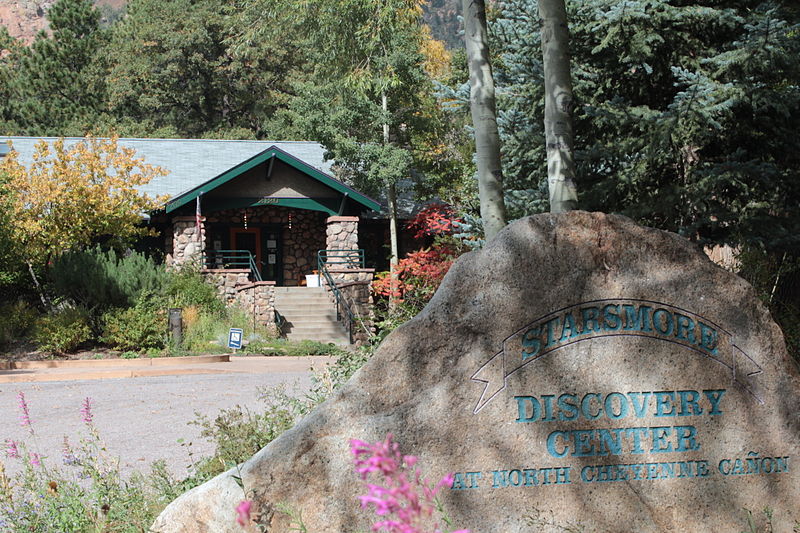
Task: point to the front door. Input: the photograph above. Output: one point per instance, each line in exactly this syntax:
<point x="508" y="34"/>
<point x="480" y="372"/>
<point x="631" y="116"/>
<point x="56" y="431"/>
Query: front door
<point x="250" y="240"/>
<point x="272" y="269"/>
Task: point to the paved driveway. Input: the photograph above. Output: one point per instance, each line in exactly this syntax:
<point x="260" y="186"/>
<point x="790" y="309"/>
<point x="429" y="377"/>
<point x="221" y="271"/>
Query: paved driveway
<point x="142" y="419"/>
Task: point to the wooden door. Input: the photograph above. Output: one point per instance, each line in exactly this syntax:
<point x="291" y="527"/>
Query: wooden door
<point x="250" y="240"/>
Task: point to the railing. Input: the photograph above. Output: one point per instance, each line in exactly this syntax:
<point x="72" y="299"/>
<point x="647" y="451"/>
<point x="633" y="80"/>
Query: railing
<point x="342" y="259"/>
<point x="279" y="321"/>
<point x="231" y="259"/>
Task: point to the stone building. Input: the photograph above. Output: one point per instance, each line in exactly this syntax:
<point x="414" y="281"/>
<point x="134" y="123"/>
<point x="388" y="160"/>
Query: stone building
<point x="260" y="218"/>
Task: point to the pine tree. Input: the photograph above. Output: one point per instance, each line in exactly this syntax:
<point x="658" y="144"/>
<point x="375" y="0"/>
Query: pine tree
<point x="54" y="87"/>
<point x="185" y="68"/>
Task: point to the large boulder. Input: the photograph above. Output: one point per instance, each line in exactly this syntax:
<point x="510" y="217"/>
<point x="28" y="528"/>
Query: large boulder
<point x="580" y="372"/>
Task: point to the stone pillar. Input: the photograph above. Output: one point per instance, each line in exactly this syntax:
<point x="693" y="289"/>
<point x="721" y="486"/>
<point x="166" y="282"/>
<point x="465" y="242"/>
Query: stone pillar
<point x="187" y="245"/>
<point x="342" y="234"/>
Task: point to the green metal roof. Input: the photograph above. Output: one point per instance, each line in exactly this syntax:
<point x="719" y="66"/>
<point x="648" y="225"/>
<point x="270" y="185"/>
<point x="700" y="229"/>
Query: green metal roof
<point x="263" y="157"/>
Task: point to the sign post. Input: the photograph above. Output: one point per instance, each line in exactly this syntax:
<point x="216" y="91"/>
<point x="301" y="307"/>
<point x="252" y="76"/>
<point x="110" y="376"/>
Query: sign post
<point x="235" y="339"/>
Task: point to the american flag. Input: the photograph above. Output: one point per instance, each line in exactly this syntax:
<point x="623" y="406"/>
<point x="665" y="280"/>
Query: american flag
<point x="197" y="215"/>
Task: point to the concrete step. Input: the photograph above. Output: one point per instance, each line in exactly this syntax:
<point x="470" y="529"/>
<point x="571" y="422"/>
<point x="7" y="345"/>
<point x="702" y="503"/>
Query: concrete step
<point x="312" y="323"/>
<point x="322" y="310"/>
<point x="310" y="315"/>
<point x="298" y="291"/>
<point x="316" y="304"/>
<point x="307" y="314"/>
<point x="341" y="339"/>
<point x="300" y="304"/>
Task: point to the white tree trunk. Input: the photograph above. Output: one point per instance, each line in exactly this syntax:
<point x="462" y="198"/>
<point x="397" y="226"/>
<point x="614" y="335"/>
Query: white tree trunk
<point x="484" y="119"/>
<point x="391" y="194"/>
<point x="391" y="197"/>
<point x="558" y="106"/>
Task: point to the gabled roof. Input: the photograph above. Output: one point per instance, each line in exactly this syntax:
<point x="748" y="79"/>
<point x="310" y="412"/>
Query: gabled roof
<point x="194" y="163"/>
<point x="270" y="153"/>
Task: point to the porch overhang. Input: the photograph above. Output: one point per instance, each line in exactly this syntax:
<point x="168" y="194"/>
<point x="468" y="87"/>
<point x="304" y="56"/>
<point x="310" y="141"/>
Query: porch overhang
<point x="341" y="193"/>
<point x="329" y="206"/>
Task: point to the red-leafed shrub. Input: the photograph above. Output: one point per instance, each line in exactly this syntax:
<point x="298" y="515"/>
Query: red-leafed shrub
<point x="433" y="220"/>
<point x="419" y="274"/>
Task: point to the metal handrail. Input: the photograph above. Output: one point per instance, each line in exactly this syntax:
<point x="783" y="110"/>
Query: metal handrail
<point x="350" y="259"/>
<point x="232" y="259"/>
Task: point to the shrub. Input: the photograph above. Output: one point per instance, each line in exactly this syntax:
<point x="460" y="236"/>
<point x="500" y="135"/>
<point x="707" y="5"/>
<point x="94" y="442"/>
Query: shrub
<point x="238" y="433"/>
<point x="187" y="288"/>
<point x="138" y="328"/>
<point x="20" y="316"/>
<point x="63" y="330"/>
<point x="403" y="294"/>
<point x="19" y="319"/>
<point x="292" y="348"/>
<point x="100" y="279"/>
<point x="204" y="332"/>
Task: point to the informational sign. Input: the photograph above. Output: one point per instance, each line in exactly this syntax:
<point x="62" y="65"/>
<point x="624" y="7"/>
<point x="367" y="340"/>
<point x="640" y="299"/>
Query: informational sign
<point x="235" y="338"/>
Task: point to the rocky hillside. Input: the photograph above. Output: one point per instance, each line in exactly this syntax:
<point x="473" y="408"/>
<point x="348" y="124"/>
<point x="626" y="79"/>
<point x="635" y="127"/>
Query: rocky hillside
<point x="442" y="17"/>
<point x="25" y="18"/>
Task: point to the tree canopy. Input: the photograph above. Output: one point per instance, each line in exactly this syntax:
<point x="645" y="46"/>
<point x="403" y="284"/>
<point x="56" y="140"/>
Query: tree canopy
<point x="71" y="196"/>
<point x="684" y="113"/>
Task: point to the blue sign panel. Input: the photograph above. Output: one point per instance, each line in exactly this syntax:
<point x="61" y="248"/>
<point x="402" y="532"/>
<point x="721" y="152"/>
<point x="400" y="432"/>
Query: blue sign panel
<point x="235" y="338"/>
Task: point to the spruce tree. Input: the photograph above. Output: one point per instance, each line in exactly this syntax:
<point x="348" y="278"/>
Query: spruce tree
<point x="684" y="113"/>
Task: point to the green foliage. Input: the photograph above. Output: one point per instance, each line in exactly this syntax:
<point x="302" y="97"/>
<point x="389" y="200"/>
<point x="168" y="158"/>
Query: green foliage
<point x="86" y="493"/>
<point x="776" y="279"/>
<point x="364" y="51"/>
<point x="135" y="329"/>
<point x="684" y="114"/>
<point x="291" y="348"/>
<point x="100" y="279"/>
<point x="55" y="85"/>
<point x="238" y="433"/>
<point x="19" y="319"/>
<point x="63" y="330"/>
<point x="11" y="264"/>
<point x="187" y="287"/>
<point x="172" y="69"/>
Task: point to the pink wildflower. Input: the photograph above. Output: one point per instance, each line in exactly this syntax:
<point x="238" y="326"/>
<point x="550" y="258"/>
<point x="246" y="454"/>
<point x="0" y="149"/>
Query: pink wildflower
<point x="406" y="504"/>
<point x="86" y="411"/>
<point x="12" y="451"/>
<point x="243" y="512"/>
<point x="25" y="416"/>
<point x="35" y="459"/>
<point x="67" y="455"/>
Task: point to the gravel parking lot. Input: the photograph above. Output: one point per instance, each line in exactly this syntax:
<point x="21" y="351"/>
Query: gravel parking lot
<point x="141" y="419"/>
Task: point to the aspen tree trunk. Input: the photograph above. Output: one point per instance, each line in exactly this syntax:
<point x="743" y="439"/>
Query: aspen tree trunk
<point x="392" y="199"/>
<point x="39" y="289"/>
<point x="484" y="118"/>
<point x="391" y="196"/>
<point x="558" y="106"/>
